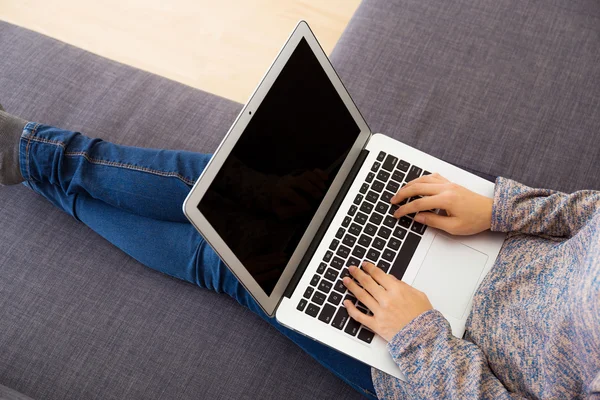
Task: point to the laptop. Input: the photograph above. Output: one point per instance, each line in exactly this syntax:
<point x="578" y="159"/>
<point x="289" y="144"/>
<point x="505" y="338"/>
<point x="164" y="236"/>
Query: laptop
<point x="300" y="189"/>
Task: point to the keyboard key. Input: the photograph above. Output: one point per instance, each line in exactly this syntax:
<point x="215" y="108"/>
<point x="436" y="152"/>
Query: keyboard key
<point x="382" y="207"/>
<point x="319" y="298"/>
<point x="327" y="313"/>
<point x="418" y="228"/>
<point x="426" y="173"/>
<point x="350" y="297"/>
<point x="398" y="176"/>
<point x="366" y="207"/>
<point x="390" y="221"/>
<point x="352" y="327"/>
<point x="389" y="163"/>
<point x="355" y="229"/>
<point x="384" y="232"/>
<point x="405" y="255"/>
<point x="321" y="268"/>
<point x="363" y="189"/>
<point x="365" y="240"/>
<point x="403" y="165"/>
<point x="376" y="218"/>
<point x="400" y="232"/>
<point x="394" y="243"/>
<point x="359" y="251"/>
<point x="352" y="261"/>
<point x="325" y="286"/>
<point x="405" y="221"/>
<point x="377" y="186"/>
<point x="379" y="243"/>
<point x="330" y="274"/>
<point x="340" y="233"/>
<point x="315" y="280"/>
<point x="346" y="222"/>
<point x="375" y="166"/>
<point x="337" y="263"/>
<point x="370" y="177"/>
<point x="340" y="318"/>
<point x="393" y="209"/>
<point x="346" y="272"/>
<point x="389" y="255"/>
<point x="373" y="255"/>
<point x="328" y="256"/>
<point x="372" y="197"/>
<point x="387" y="196"/>
<point x="349" y="240"/>
<point x="301" y="305"/>
<point x="358" y="199"/>
<point x="392" y="186"/>
<point x="312" y="310"/>
<point x="414" y="173"/>
<point x="365" y="335"/>
<point x="370" y="229"/>
<point x="334" y="244"/>
<point x="343" y="251"/>
<point x="340" y="287"/>
<point x="383" y="176"/>
<point x="361" y="218"/>
<point x="335" y="298"/>
<point x="384" y="265"/>
<point x="381" y="156"/>
<point x="308" y="292"/>
<point x="352" y="210"/>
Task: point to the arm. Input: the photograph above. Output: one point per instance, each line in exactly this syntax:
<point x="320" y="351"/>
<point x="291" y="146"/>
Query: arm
<point x="441" y="366"/>
<point x="520" y="208"/>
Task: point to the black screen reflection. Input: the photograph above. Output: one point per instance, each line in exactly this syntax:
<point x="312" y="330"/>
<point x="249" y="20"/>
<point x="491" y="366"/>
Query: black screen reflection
<point x="269" y="188"/>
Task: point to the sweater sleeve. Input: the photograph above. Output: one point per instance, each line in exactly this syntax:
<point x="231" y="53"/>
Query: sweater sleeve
<point x="438" y="365"/>
<point x="519" y="208"/>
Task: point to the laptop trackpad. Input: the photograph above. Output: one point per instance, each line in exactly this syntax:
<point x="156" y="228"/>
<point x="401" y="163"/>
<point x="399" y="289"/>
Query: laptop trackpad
<point x="449" y="275"/>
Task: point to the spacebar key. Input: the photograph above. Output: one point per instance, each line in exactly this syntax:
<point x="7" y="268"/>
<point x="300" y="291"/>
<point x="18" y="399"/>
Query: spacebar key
<point x="406" y="253"/>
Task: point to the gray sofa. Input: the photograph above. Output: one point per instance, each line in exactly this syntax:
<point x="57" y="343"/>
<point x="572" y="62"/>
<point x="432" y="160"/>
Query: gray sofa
<point x="500" y="87"/>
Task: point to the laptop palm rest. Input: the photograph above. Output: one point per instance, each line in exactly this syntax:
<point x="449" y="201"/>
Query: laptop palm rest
<point x="449" y="275"/>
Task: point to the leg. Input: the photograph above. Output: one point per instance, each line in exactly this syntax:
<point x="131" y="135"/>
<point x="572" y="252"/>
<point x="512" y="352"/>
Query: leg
<point x="104" y="185"/>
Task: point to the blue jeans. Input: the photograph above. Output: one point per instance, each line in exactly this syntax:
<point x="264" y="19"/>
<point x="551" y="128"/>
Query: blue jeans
<point x="133" y="198"/>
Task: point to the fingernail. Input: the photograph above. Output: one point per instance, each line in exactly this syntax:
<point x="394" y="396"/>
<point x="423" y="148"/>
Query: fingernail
<point x="352" y="268"/>
<point x="419" y="218"/>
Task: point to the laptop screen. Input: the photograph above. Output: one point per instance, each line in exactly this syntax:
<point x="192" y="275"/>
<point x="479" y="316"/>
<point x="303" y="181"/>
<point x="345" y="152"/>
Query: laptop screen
<point x="269" y="188"/>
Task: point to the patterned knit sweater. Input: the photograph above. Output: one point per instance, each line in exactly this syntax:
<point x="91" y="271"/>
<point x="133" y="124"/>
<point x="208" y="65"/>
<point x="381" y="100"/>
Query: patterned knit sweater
<point x="534" y="331"/>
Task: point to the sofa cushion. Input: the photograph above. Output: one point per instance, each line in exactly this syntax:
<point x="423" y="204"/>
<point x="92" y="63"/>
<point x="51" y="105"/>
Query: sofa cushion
<point x="503" y="87"/>
<point x="82" y="320"/>
<point x="9" y="394"/>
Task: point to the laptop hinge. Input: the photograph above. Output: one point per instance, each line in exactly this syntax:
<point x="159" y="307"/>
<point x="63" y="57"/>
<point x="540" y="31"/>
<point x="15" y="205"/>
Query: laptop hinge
<point x="325" y="224"/>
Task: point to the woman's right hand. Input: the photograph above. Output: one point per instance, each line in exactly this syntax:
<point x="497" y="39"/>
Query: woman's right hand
<point x="467" y="212"/>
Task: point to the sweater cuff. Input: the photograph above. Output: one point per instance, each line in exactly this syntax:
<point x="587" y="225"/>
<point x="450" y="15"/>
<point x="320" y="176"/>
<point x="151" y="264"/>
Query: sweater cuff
<point x="415" y="337"/>
<point x="501" y="209"/>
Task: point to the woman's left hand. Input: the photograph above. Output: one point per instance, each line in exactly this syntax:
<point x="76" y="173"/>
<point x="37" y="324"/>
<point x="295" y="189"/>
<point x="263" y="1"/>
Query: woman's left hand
<point x="393" y="303"/>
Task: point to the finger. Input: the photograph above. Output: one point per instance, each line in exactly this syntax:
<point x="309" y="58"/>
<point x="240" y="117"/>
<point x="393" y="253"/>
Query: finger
<point x="418" y="189"/>
<point x="378" y="275"/>
<point x="367" y="282"/>
<point x="305" y="184"/>
<point x="448" y="224"/>
<point x="359" y="316"/>
<point x="433" y="178"/>
<point x="361" y="294"/>
<point x="423" y="204"/>
<point x="315" y="179"/>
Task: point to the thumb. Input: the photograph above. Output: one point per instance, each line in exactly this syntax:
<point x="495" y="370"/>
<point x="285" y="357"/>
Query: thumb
<point x="437" y="221"/>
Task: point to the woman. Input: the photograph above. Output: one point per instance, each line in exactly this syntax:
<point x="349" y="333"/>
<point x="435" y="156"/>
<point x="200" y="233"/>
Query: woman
<point x="534" y="330"/>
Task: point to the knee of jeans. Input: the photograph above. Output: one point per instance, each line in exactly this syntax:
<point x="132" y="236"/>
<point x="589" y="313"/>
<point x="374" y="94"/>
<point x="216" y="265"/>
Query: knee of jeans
<point x="54" y="195"/>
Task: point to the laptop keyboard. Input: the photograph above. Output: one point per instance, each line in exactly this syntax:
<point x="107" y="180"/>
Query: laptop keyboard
<point x="368" y="232"/>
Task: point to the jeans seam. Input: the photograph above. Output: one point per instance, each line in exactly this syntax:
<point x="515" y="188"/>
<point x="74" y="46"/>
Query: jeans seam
<point x="27" y="149"/>
<point x="129" y="166"/>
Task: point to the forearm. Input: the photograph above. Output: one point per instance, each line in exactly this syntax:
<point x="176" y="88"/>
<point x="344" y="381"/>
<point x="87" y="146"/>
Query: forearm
<point x="439" y="365"/>
<point x="519" y="208"/>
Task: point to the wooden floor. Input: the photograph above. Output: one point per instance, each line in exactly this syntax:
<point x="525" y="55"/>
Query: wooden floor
<point x="220" y="46"/>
